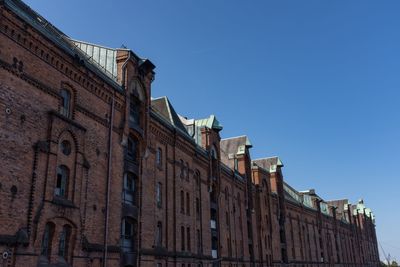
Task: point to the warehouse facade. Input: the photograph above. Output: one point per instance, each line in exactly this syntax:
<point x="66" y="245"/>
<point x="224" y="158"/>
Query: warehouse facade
<point x="95" y="172"/>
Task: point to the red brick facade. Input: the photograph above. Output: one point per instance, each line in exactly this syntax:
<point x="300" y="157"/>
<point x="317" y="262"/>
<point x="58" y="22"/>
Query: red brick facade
<point x="94" y="172"/>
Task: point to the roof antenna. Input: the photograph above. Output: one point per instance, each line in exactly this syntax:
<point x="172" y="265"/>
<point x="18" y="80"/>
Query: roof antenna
<point x="123" y="46"/>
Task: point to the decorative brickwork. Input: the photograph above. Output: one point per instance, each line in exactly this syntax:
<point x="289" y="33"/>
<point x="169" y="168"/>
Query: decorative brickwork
<point x="96" y="173"/>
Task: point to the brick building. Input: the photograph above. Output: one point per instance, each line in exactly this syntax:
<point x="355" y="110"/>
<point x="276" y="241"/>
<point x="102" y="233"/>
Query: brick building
<point x="95" y="172"/>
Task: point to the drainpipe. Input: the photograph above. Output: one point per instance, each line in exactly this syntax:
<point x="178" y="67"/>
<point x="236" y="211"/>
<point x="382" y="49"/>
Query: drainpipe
<point x="108" y="181"/>
<point x="124" y="70"/>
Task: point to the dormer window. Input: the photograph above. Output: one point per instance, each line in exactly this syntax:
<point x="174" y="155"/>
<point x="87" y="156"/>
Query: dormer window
<point x="65" y="103"/>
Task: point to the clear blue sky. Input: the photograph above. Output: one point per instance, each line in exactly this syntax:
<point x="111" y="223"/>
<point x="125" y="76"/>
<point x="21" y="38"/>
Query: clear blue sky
<point x="315" y="82"/>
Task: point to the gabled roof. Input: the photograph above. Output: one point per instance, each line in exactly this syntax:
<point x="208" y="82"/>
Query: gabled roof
<point x="230" y="147"/>
<point x="269" y="164"/>
<point x="235" y="145"/>
<point x="163" y="107"/>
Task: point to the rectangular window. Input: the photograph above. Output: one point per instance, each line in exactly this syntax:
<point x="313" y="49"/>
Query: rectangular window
<point x="128" y="235"/>
<point x="159" y="195"/>
<point x="65" y="103"/>
<point x="159" y="157"/>
<point x="64" y="242"/>
<point x="61" y="189"/>
<point x="132" y="149"/>
<point x="229" y="247"/>
<point x="129" y="192"/>
<point x="188" y="239"/>
<point x="134" y="110"/>
<point x="198" y="208"/>
<point x="182" y="238"/>
<point x="159" y="235"/>
<point x="182" y="202"/>
<point x="198" y="242"/>
<point x="187" y="204"/>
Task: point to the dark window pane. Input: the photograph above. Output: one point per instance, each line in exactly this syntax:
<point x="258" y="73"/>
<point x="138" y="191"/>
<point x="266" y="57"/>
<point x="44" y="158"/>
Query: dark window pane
<point x="134" y="110"/>
<point x="66" y="147"/>
<point x="62" y="181"/>
<point x="65" y="102"/>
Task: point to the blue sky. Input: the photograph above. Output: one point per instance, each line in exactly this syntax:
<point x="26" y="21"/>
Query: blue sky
<point x="314" y="82"/>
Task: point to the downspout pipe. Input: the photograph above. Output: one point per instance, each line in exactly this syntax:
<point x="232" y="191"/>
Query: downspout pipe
<point x="124" y="70"/>
<point x="108" y="188"/>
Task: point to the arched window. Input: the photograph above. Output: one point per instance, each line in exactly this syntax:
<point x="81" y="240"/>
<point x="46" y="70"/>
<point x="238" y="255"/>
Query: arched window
<point x="236" y="164"/>
<point x="65" y="238"/>
<point x="130" y="188"/>
<point x="65" y="147"/>
<point x="159" y="195"/>
<point x="132" y="149"/>
<point x="61" y="189"/>
<point x="128" y="234"/>
<point x="159" y="234"/>
<point x="65" y="103"/>
<point x="47" y="239"/>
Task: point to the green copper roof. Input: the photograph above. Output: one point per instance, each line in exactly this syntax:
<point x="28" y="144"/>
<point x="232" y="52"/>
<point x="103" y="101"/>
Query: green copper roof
<point x="210" y="122"/>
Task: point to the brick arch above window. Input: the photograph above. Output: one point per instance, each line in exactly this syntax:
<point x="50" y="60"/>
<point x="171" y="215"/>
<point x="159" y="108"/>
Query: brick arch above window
<point x="67" y="135"/>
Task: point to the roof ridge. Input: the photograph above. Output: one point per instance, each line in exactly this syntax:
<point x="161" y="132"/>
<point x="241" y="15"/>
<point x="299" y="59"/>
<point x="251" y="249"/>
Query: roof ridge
<point x="102" y="46"/>
<point x="265" y="158"/>
<point x="234" y="137"/>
